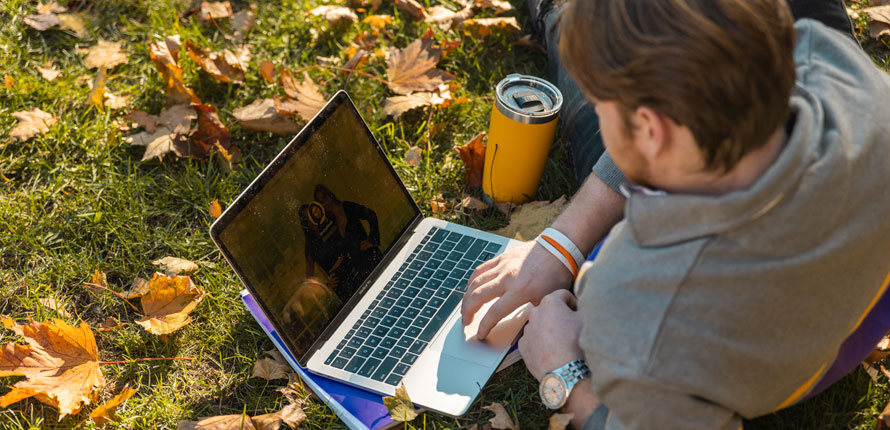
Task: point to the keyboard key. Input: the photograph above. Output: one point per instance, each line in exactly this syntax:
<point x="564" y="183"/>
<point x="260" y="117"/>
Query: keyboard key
<point x="403" y="322"/>
<point x="485" y="256"/>
<point x="381" y="331"/>
<point x="354" y="364"/>
<point x="373" y="341"/>
<point x="436" y="321"/>
<point x="405" y="342"/>
<point x="441" y="275"/>
<point x="413" y="331"/>
<point x="401" y="369"/>
<point x="443" y="293"/>
<point x="418" y="303"/>
<point x="439" y="236"/>
<point x="396" y="332"/>
<point x="365" y="351"/>
<point x="393" y="380"/>
<point x="387" y="342"/>
<point x="371" y="322"/>
<point x="433" y="283"/>
<point x="394" y="293"/>
<point x="461" y="286"/>
<point x="331" y="358"/>
<point x="385" y="367"/>
<point x="426" y="273"/>
<point x="398" y="352"/>
<point x="380" y="353"/>
<point x="411" y="312"/>
<point x="453" y="256"/>
<point x="418" y="347"/>
<point x="447" y="246"/>
<point x="450" y="283"/>
<point x="418" y="283"/>
<point x="423" y="256"/>
<point x="339" y="363"/>
<point x="396" y="311"/>
<point x="409" y="358"/>
<point x="365" y="315"/>
<point x="409" y="292"/>
<point x="403" y="283"/>
<point x="404" y="265"/>
<point x="493" y="247"/>
<point x="404" y="302"/>
<point x="425" y="293"/>
<point x="433" y="264"/>
<point x="431" y="247"/>
<point x="388" y="321"/>
<point x="355" y="342"/>
<point x="416" y="265"/>
<point x="434" y="303"/>
<point x="347" y="353"/>
<point x="474" y="250"/>
<point x="462" y="274"/>
<point x="341" y="344"/>
<point x="369" y="367"/>
<point x="464" y="244"/>
<point x="447" y="265"/>
<point x="428" y="312"/>
<point x="387" y="302"/>
<point x="464" y="264"/>
<point x="378" y="313"/>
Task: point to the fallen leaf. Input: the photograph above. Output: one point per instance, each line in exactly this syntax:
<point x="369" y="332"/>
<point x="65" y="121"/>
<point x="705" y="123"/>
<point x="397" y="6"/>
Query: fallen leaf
<point x="884" y="417"/>
<point x="42" y="22"/>
<point x="501" y="418"/>
<point x="175" y="266"/>
<point x="262" y="115"/>
<point x="397" y="105"/>
<point x="52" y="303"/>
<point x="414" y="67"/>
<point x="165" y="55"/>
<point x="438" y="204"/>
<point x="75" y="23"/>
<point x="215" y="10"/>
<point x="530" y="219"/>
<point x="48" y="71"/>
<point x="168" y="302"/>
<point x="242" y="22"/>
<point x="411" y="7"/>
<point x="51" y="7"/>
<point x="215" y="209"/>
<point x="106" y="412"/>
<point x="871" y="371"/>
<point x="413" y="155"/>
<point x="878" y="20"/>
<point x="143" y="119"/>
<point x="881" y="351"/>
<point x="8" y="81"/>
<point x="560" y="421"/>
<point x="482" y="27"/>
<point x="97" y="93"/>
<point x="98" y="278"/>
<point x="308" y="98"/>
<point x="499" y="6"/>
<point x="60" y="364"/>
<point x="291" y="415"/>
<point x="139" y="288"/>
<point x="399" y="406"/>
<point x="473" y="156"/>
<point x="334" y="14"/>
<point x="156" y="144"/>
<point x="105" y="55"/>
<point x="178" y="118"/>
<point x="31" y="123"/>
<point x="110" y="324"/>
<point x="210" y="135"/>
<point x="473" y="204"/>
<point x="528" y="41"/>
<point x="267" y="71"/>
<point x="222" y="422"/>
<point x="446" y="18"/>
<point x="378" y="21"/>
<point x="270" y="369"/>
<point x="227" y="66"/>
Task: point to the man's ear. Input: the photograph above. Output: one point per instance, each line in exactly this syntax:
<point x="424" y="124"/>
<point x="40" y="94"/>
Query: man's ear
<point x="651" y="132"/>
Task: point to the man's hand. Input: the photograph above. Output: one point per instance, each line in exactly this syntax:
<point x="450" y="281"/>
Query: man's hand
<point x="550" y="339"/>
<point x="525" y="273"/>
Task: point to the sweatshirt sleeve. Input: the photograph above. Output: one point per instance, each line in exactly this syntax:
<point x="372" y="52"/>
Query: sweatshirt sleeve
<point x="606" y="170"/>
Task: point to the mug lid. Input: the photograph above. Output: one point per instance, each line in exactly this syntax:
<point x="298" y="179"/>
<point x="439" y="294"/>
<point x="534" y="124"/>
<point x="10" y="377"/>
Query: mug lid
<point x="528" y="99"/>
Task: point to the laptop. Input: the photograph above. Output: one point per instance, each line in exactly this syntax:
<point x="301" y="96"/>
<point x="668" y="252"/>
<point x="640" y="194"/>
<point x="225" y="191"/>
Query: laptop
<point x="361" y="286"/>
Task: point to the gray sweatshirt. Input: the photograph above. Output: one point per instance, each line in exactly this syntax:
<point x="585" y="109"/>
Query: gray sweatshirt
<point x="701" y="310"/>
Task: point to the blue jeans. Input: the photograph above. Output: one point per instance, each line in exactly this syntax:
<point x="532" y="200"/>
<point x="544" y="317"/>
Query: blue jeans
<point x="578" y="122"/>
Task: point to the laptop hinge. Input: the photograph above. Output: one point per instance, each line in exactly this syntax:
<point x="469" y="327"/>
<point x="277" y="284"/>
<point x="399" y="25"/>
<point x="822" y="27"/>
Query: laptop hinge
<point x="334" y="324"/>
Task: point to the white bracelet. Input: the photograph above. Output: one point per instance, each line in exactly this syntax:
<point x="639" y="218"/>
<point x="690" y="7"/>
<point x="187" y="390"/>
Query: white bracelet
<point x="566" y="243"/>
<point x="556" y="253"/>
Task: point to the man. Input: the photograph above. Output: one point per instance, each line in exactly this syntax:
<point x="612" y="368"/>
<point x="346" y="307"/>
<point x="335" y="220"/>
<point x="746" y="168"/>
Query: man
<point x="750" y="269"/>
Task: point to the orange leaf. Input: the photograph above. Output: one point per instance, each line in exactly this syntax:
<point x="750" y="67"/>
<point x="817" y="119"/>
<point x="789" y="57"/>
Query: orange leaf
<point x="165" y="56"/>
<point x="222" y="422"/>
<point x="267" y="71"/>
<point x="226" y="67"/>
<point x="31" y="123"/>
<point x="105" y="412"/>
<point x="262" y="115"/>
<point x="210" y="135"/>
<point x="270" y="369"/>
<point x="473" y="156"/>
<point x="97" y="94"/>
<point x="411" y="7"/>
<point x="414" y="68"/>
<point x="168" y="302"/>
<point x="397" y="105"/>
<point x="143" y="119"/>
<point x="560" y="421"/>
<point x="8" y="81"/>
<point x="291" y="415"/>
<point x="308" y="98"/>
<point x="60" y="362"/>
<point x="105" y="55"/>
<point x="215" y="10"/>
<point x="378" y="21"/>
<point x="215" y="208"/>
<point x="482" y="27"/>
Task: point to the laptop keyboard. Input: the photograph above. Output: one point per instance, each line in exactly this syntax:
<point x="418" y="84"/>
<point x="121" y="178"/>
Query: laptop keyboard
<point x="385" y="342"/>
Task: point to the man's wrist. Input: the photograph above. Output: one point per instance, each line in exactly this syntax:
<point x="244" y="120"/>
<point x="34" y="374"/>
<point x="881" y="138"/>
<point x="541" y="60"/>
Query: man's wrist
<point x="581" y="402"/>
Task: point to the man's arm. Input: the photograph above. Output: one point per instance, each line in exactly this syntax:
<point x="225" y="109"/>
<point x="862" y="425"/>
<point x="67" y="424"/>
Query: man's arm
<point x="528" y="272"/>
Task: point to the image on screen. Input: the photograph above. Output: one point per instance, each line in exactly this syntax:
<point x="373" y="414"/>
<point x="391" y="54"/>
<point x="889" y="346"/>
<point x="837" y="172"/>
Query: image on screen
<point x="308" y="239"/>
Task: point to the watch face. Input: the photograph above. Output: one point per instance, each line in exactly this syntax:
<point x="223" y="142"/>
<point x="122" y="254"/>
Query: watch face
<point x="553" y="391"/>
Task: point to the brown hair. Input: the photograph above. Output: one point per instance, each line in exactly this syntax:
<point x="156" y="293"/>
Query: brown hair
<point x="722" y="68"/>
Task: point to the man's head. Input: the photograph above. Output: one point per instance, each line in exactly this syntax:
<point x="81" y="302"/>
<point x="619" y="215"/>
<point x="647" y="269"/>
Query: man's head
<point x="718" y="72"/>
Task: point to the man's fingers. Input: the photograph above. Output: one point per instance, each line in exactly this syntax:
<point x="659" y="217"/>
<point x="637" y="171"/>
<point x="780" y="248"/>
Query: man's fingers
<point x="495" y="314"/>
<point x="483" y="269"/>
<point x="564" y="296"/>
<point x="480" y="295"/>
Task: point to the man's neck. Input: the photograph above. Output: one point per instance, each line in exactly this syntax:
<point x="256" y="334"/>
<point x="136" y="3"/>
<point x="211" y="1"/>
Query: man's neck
<point x="742" y="176"/>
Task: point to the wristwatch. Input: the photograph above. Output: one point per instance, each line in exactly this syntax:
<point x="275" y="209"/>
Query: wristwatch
<point x="557" y="385"/>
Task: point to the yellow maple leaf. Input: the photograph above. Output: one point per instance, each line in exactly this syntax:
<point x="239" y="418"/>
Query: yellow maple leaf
<point x="400" y="406"/>
<point x="60" y="362"/>
<point x="168" y="302"/>
<point x="105" y="412"/>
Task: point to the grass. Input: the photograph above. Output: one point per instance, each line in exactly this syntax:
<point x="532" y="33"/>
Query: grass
<point x="77" y="199"/>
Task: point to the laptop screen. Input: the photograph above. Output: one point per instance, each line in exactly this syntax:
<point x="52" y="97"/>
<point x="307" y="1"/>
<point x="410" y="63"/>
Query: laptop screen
<point x="315" y="224"/>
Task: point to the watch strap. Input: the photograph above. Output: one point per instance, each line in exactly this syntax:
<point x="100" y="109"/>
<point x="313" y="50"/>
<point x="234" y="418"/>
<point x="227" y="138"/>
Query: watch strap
<point x="572" y="373"/>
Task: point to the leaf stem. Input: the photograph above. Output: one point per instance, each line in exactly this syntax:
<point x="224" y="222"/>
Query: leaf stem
<point x="90" y="284"/>
<point x="146" y="359"/>
<point x="342" y="69"/>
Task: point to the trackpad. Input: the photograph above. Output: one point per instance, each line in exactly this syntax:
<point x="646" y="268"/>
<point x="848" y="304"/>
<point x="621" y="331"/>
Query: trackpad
<point x="461" y="342"/>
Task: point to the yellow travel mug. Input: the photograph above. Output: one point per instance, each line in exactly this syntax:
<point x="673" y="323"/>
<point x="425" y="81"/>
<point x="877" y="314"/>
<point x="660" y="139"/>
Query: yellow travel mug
<point x="523" y="122"/>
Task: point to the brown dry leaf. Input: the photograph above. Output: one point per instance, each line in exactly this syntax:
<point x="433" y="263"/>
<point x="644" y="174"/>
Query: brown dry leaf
<point x="438" y="204"/>
<point x="99" y="278"/>
<point x="31" y="123"/>
<point x="143" y="119"/>
<point x="106" y="412"/>
<point x="499" y="6"/>
<point x="97" y="93"/>
<point x="156" y="144"/>
<point x="75" y="23"/>
<point x="397" y="105"/>
<point x="884" y="417"/>
<point x="242" y="22"/>
<point x="501" y="418"/>
<point x="52" y="303"/>
<point x="411" y="7"/>
<point x="413" y="155"/>
<point x="334" y="14"/>
<point x="473" y="156"/>
<point x="291" y="415"/>
<point x="178" y="118"/>
<point x="399" y="406"/>
<point x="267" y="71"/>
<point x="481" y="27"/>
<point x="528" y="41"/>
<point x="105" y="55"/>
<point x="378" y="21"/>
<point x="60" y="364"/>
<point x="168" y="302"/>
<point x="878" y="20"/>
<point x="165" y="55"/>
<point x="51" y="7"/>
<point x="227" y="66"/>
<point x="43" y="21"/>
<point x="270" y="369"/>
<point x="115" y="102"/>
<point x="308" y="98"/>
<point x="414" y="67"/>
<point x="215" y="10"/>
<point x="211" y="135"/>
<point x="446" y="18"/>
<point x="8" y="81"/>
<point x="222" y="422"/>
<point x="48" y="71"/>
<point x="110" y="324"/>
<point x="140" y="288"/>
<point x="175" y="266"/>
<point x="473" y="204"/>
<point x="530" y="219"/>
<point x="215" y="209"/>
<point x="560" y="421"/>
<point x="262" y="115"/>
<point x="881" y="351"/>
